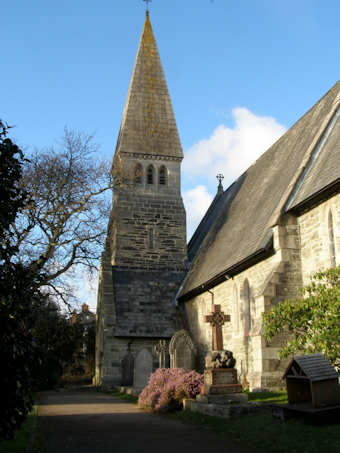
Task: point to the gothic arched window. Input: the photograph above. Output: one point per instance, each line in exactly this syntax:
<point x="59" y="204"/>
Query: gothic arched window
<point x="247" y="307"/>
<point x="138" y="174"/>
<point x="151" y="238"/>
<point x="150" y="173"/>
<point x="163" y="176"/>
<point x="331" y="239"/>
<point x="236" y="309"/>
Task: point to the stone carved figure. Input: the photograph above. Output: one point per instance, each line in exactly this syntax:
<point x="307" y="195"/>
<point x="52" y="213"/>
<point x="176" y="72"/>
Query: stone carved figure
<point x="223" y="359"/>
<point x="228" y="360"/>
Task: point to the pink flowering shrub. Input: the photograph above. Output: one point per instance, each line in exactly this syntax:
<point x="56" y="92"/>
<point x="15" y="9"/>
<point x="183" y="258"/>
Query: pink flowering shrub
<point x="167" y="387"/>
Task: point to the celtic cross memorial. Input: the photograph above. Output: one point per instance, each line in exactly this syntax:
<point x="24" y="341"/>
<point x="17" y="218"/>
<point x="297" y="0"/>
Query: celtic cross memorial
<point x="217" y="319"/>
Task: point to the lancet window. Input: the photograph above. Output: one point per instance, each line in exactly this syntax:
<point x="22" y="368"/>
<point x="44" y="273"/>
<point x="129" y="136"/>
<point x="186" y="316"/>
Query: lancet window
<point x="331" y="239"/>
<point x="163" y="176"/>
<point x="236" y="308"/>
<point x="150" y="174"/>
<point x="138" y="174"/>
<point x="151" y="238"/>
<point x="247" y="307"/>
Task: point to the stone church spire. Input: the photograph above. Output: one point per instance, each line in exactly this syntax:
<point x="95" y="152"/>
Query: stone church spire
<point x="148" y="124"/>
<point x="145" y="256"/>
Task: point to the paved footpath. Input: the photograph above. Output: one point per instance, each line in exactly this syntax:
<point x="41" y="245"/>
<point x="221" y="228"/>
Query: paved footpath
<point x="92" y="422"/>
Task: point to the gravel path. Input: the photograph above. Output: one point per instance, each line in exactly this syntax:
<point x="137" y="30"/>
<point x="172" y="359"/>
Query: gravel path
<point x="91" y="422"/>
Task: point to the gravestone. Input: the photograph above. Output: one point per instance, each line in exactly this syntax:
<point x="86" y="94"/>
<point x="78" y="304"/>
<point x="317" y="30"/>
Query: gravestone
<point x="143" y="368"/>
<point x="127" y="369"/>
<point x="182" y="351"/>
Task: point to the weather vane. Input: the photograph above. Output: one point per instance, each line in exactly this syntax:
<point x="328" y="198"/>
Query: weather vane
<point x="147" y="4"/>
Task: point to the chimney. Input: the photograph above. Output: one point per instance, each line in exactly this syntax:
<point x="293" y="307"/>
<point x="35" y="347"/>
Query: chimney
<point x="74" y="317"/>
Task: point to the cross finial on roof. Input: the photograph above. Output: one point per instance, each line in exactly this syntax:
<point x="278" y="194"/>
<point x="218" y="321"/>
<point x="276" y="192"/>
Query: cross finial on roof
<point x="147" y="4"/>
<point x="220" y="178"/>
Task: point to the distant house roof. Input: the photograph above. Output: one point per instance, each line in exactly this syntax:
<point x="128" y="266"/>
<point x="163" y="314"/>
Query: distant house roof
<point x="84" y="317"/>
<point x="314" y="366"/>
<point x="237" y="230"/>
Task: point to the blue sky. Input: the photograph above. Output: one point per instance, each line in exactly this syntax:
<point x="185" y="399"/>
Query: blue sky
<point x="239" y="73"/>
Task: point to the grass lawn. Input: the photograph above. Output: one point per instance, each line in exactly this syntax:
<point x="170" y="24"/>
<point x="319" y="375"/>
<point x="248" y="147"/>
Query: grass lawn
<point x="268" y="397"/>
<point x="263" y="432"/>
<point x="126" y="397"/>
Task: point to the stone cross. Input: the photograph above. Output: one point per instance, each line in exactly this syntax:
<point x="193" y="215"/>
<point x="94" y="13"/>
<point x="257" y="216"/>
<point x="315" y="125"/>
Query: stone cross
<point x="217" y="319"/>
<point x="220" y="178"/>
<point x="161" y="349"/>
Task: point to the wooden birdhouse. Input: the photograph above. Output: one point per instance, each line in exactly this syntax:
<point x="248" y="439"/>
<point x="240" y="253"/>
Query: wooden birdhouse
<point x="312" y="379"/>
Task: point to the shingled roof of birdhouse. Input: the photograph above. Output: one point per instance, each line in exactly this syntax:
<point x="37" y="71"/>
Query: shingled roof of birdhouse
<point x="314" y="366"/>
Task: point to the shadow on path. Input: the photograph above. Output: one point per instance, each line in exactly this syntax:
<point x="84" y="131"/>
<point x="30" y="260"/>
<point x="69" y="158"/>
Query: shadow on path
<point x="84" y="422"/>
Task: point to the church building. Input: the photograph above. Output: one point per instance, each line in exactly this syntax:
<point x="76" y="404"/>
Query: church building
<point x="259" y="241"/>
<point x="263" y="237"/>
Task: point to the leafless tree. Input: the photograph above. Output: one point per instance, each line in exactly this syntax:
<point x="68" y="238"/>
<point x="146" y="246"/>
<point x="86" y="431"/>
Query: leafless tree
<point x="65" y="223"/>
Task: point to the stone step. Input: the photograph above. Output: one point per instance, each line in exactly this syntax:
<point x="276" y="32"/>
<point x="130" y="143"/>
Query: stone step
<point x="221" y="410"/>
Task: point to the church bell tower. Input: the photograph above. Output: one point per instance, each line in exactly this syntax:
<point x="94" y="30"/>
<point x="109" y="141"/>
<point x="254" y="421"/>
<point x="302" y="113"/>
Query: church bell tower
<point x="145" y="255"/>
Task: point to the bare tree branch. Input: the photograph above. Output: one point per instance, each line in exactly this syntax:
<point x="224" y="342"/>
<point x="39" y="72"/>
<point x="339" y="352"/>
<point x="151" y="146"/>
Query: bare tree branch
<point x="66" y="222"/>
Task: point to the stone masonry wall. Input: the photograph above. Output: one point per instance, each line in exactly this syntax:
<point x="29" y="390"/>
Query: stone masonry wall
<point x="315" y="237"/>
<point x="144" y="302"/>
<point x="144" y="262"/>
<point x="149" y="222"/>
<point x="105" y="315"/>
<point x="247" y="348"/>
<point x="114" y="353"/>
<point x="144" y="309"/>
<point x="273" y="279"/>
<point x="149" y="232"/>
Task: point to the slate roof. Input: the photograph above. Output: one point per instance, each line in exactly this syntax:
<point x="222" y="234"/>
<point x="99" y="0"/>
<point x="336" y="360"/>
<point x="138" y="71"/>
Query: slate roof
<point x="324" y="169"/>
<point x="148" y="125"/>
<point x="315" y="366"/>
<point x="204" y="226"/>
<point x="240" y="230"/>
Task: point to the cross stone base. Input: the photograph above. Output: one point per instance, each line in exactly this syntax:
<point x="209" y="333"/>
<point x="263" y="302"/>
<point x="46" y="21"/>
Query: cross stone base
<point x="223" y="399"/>
<point x="220" y="381"/>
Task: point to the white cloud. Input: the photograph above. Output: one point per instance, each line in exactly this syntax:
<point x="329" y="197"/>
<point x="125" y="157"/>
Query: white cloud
<point x="196" y="201"/>
<point x="231" y="150"/>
